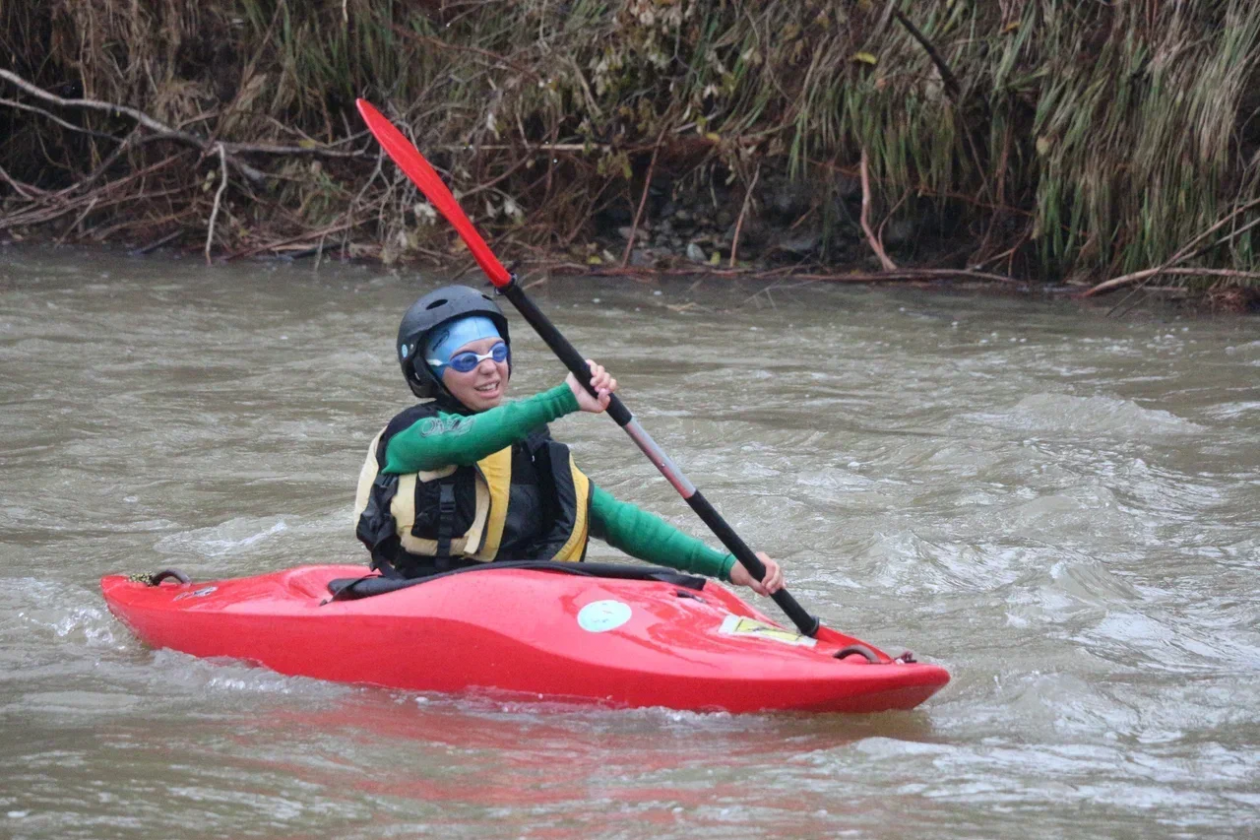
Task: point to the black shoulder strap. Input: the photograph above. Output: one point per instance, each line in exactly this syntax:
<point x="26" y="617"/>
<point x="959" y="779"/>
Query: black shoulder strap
<point x="404" y="419"/>
<point x="446" y="521"/>
<point x="376" y="526"/>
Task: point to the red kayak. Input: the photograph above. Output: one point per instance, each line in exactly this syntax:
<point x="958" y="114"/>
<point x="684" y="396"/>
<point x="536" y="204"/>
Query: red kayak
<point x="524" y="630"/>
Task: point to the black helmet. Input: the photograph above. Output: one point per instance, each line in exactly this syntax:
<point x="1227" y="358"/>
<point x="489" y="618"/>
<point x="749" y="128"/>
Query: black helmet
<point x="436" y="308"/>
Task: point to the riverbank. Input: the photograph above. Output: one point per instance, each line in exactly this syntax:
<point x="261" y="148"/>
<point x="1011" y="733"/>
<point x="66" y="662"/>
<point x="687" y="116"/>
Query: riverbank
<point x="1030" y="142"/>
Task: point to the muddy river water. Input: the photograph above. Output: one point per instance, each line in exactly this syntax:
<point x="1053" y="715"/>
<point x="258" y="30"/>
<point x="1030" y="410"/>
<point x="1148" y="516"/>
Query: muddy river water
<point x="1063" y="509"/>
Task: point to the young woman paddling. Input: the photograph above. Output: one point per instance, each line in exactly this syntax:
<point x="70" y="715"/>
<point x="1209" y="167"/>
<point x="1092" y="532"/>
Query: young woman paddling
<point x="467" y="477"/>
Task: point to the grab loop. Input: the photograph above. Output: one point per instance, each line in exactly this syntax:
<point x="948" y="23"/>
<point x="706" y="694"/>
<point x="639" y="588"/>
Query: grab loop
<point x="863" y="650"/>
<point x="157" y="577"/>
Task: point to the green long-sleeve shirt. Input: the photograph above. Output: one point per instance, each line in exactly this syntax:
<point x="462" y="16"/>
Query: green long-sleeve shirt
<point x="647" y="537"/>
<point x="445" y="439"/>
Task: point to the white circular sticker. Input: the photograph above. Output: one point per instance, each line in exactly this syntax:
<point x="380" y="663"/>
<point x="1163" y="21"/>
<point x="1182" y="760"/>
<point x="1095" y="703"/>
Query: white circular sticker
<point x="599" y="616"/>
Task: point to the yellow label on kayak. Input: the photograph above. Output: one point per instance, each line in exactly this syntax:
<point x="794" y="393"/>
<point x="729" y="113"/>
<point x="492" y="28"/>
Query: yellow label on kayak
<point x="738" y="625"/>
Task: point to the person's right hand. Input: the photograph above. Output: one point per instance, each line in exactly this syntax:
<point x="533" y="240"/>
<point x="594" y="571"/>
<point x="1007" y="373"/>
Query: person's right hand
<point x="601" y="381"/>
<point x="770" y="584"/>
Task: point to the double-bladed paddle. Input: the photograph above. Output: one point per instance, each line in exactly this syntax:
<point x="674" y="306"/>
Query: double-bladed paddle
<point x="422" y="174"/>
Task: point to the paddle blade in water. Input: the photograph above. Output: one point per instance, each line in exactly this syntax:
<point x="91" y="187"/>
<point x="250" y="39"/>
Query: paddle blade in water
<point x="413" y="164"/>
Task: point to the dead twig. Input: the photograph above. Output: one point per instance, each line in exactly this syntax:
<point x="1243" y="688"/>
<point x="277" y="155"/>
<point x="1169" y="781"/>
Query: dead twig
<point x="871" y="238"/>
<point x="168" y="132"/>
<point x="743" y="211"/>
<point x="296" y="151"/>
<point x="592" y="104"/>
<point x="50" y="206"/>
<point x="527" y="147"/>
<point x="218" y="198"/>
<point x="100" y="170"/>
<point x="301" y="237"/>
<point x="952" y="88"/>
<point x="108" y="107"/>
<point x="879" y="231"/>
<point x="1151" y="273"/>
<point x="647" y="184"/>
<point x="22" y="106"/>
<point x="157" y="243"/>
<point x="1184" y="253"/>
<point x="47" y="215"/>
<point x="901" y="274"/>
<point x="1145" y="284"/>
<point x="444" y="45"/>
<point x="904" y="274"/>
<point x="502" y="177"/>
<point x="78" y="220"/>
<point x="21" y="189"/>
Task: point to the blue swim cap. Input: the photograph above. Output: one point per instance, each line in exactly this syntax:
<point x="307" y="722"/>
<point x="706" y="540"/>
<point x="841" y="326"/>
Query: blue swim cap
<point x="449" y="337"/>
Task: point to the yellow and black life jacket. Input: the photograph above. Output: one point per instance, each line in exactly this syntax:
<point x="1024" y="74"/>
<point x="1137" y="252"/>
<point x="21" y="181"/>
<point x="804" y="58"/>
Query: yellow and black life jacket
<point x="527" y="501"/>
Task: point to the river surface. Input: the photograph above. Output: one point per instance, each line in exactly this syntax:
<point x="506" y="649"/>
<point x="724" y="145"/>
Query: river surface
<point x="1062" y="509"/>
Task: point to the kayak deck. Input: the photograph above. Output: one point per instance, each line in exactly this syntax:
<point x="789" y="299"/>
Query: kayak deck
<point x="522" y="631"/>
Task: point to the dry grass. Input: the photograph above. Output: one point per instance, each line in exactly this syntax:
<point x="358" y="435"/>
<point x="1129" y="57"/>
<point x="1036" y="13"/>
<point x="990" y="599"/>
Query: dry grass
<point x="1086" y="139"/>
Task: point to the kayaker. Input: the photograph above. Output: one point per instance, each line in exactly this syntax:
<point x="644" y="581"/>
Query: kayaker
<point x="466" y="477"/>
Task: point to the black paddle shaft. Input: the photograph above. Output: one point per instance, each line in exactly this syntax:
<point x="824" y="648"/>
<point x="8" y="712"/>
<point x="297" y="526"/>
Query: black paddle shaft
<point x="617" y="410"/>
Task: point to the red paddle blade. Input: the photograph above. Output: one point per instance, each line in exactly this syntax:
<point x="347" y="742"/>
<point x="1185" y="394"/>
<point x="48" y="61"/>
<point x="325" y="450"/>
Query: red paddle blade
<point x="413" y="164"/>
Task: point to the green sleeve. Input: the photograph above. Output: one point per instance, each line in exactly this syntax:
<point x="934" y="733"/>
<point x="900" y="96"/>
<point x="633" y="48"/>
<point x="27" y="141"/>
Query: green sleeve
<point x="647" y="537"/>
<point x="446" y="439"/>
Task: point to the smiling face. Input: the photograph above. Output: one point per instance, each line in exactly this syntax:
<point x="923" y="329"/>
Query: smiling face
<point x="485" y="385"/>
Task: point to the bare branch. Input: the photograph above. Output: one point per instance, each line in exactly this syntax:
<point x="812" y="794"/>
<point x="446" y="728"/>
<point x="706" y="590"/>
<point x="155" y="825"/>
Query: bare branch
<point x="440" y="44"/>
<point x="1151" y="273"/>
<point x="218" y="197"/>
<point x="78" y="219"/>
<point x="743" y="211"/>
<point x="901" y="274"/>
<point x="166" y="131"/>
<point x="875" y="244"/>
<point x="18" y="187"/>
<point x="947" y="76"/>
<point x="109" y="108"/>
<point x="22" y="106"/>
<point x="1184" y="253"/>
<point x="647" y="183"/>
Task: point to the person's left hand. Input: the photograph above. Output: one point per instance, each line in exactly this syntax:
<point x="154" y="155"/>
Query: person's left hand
<point x="769" y="585"/>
